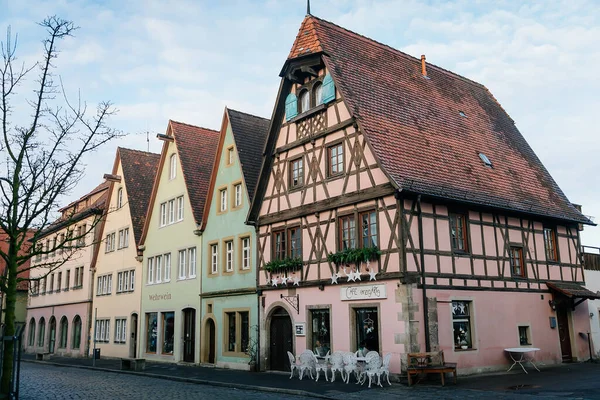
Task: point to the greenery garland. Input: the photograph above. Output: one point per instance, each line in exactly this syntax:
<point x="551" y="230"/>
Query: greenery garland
<point x="354" y="256"/>
<point x="287" y="264"/>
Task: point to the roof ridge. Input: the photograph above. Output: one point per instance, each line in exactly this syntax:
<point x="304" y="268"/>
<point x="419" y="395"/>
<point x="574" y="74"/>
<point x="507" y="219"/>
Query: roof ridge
<point x="139" y="151"/>
<point x="399" y="52"/>
<point x="245" y="113"/>
<point x="193" y="126"/>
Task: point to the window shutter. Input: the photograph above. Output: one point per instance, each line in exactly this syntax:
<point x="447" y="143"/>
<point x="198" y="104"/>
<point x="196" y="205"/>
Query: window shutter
<point x="291" y="106"/>
<point x="328" y="89"/>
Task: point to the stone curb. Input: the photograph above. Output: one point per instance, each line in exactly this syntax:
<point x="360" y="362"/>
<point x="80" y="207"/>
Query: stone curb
<point x="234" y="385"/>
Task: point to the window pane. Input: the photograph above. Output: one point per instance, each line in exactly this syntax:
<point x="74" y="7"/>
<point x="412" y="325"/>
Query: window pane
<point x="295" y="242"/>
<point x="245" y="322"/>
<point x="367" y="335"/>
<point x="321" y="339"/>
<point x="318" y="95"/>
<point x="304" y="101"/>
<point x="369" y="229"/>
<point x="461" y="324"/>
<point x="168" y="330"/>
<point x="231" y="331"/>
<point x="151" y="332"/>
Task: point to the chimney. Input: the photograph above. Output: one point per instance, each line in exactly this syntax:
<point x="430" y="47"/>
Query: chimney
<point x="423" y="65"/>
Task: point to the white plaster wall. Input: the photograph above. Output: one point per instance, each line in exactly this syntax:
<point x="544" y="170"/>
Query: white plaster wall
<point x="592" y="282"/>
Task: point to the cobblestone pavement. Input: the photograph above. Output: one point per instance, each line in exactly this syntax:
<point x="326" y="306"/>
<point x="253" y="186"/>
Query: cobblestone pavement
<point x="40" y="381"/>
<point x="48" y="382"/>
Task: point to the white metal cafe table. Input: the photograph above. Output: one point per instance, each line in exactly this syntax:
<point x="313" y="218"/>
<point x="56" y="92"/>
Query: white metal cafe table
<point x="519" y="356"/>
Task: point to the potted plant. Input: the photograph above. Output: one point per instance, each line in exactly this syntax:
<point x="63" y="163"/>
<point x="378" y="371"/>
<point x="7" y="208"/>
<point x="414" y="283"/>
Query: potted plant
<point x="252" y="349"/>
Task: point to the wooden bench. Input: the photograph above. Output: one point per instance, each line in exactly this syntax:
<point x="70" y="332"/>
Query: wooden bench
<point x="42" y="356"/>
<point x="133" y="364"/>
<point x="429" y="363"/>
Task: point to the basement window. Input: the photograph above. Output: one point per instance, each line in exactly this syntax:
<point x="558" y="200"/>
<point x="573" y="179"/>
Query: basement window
<point x="485" y="160"/>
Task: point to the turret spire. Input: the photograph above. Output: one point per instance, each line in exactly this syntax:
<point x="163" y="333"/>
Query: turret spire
<point x="307" y="7"/>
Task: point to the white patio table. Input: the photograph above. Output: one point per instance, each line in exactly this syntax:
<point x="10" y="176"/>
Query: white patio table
<point x="518" y="355"/>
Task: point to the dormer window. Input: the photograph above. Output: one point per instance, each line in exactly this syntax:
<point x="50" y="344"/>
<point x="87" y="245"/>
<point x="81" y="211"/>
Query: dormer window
<point x="304" y="101"/>
<point x="318" y="94"/>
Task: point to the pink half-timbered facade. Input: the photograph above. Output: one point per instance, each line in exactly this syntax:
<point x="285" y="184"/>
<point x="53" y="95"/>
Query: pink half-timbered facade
<point x="400" y="210"/>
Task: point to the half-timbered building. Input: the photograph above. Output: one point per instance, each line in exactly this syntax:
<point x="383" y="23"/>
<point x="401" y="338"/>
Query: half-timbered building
<point x="399" y="209"/>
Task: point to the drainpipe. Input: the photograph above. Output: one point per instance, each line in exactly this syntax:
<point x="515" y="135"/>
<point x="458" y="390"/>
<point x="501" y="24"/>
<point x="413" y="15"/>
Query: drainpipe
<point x="424" y="289"/>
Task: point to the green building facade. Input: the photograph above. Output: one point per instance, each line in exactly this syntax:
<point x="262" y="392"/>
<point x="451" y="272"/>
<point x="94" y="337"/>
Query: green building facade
<point x="229" y="300"/>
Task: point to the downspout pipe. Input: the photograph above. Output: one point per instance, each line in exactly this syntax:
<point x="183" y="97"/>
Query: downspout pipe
<point x="423" y="285"/>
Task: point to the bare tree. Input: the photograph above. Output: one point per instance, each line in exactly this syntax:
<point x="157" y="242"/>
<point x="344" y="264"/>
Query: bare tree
<point x="45" y="138"/>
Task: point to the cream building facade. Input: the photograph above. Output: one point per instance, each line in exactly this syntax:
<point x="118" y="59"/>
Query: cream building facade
<point x="118" y="274"/>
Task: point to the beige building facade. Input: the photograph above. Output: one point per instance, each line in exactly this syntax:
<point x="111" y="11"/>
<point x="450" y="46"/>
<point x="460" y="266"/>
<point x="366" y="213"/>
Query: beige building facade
<point x="60" y="301"/>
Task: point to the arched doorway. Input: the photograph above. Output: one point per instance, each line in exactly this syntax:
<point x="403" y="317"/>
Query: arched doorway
<point x="210" y="340"/>
<point x="280" y="340"/>
<point x="52" y="338"/>
<point x="134" y="335"/>
<point x="189" y="334"/>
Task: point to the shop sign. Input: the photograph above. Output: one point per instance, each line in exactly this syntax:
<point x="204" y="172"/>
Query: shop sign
<point x="300" y="329"/>
<point x="157" y="297"/>
<point x="363" y="292"/>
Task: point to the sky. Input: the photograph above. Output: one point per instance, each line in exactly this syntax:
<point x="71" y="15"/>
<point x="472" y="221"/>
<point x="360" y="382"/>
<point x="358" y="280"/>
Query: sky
<point x="188" y="60"/>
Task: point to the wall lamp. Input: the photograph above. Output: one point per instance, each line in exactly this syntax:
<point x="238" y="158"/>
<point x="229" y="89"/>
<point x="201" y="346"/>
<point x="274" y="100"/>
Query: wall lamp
<point x="552" y="304"/>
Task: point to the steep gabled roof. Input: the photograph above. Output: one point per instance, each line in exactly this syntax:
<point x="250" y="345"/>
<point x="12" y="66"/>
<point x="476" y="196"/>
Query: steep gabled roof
<point x="139" y="171"/>
<point x="196" y="147"/>
<point x="415" y="127"/>
<point x="249" y="132"/>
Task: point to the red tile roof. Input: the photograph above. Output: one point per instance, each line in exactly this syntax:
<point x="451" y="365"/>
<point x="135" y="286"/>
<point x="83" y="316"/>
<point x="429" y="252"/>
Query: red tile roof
<point x="197" y="148"/>
<point x="139" y="171"/>
<point x="249" y="132"/>
<point x="421" y="140"/>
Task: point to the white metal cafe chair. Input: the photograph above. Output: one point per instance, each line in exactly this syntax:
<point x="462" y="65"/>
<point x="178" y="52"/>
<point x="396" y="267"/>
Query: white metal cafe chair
<point x="350" y="366"/>
<point x="372" y="368"/>
<point x="322" y="365"/>
<point x="337" y="365"/>
<point x="307" y="363"/>
<point x="385" y="369"/>
<point x="293" y="365"/>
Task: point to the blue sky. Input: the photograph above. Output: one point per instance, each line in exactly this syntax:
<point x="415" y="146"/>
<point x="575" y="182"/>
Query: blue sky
<point x="187" y="60"/>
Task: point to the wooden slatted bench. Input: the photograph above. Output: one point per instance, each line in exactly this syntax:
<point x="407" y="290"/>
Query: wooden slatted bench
<point x="133" y="364"/>
<point x="429" y="363"/>
<point x="42" y="356"/>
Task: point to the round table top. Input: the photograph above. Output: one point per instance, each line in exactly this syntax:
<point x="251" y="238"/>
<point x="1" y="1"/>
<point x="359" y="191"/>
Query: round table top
<point x="521" y="349"/>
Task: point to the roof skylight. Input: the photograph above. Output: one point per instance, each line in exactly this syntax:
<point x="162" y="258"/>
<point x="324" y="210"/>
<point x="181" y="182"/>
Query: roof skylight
<point x="462" y="114"/>
<point x="485" y="160"/>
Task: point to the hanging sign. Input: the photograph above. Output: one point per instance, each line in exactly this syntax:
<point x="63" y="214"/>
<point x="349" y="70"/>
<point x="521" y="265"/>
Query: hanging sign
<point x="363" y="292"/>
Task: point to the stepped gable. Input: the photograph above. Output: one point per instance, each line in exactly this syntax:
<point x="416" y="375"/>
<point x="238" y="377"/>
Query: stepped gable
<point x="197" y="148"/>
<point x="139" y="171"/>
<point x="428" y="132"/>
<point x="250" y="133"/>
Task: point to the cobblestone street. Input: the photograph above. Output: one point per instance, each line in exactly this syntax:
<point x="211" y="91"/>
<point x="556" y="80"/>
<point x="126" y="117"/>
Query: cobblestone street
<point x="39" y="381"/>
<point x="48" y="382"/>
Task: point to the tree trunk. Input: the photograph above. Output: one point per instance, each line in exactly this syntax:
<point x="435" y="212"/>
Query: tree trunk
<point x="9" y="322"/>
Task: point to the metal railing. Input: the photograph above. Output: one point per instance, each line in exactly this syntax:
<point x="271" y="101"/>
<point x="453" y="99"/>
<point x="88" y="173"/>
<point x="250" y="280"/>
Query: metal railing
<point x="16" y="364"/>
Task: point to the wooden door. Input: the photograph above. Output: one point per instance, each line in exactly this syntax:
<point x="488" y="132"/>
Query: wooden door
<point x="52" y="341"/>
<point x="281" y="342"/>
<point x="133" y="341"/>
<point x="189" y="334"/>
<point x="211" y="341"/>
<point x="562" y="319"/>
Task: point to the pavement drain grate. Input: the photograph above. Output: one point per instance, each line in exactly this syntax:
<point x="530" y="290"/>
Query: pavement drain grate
<point x="524" y="386"/>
